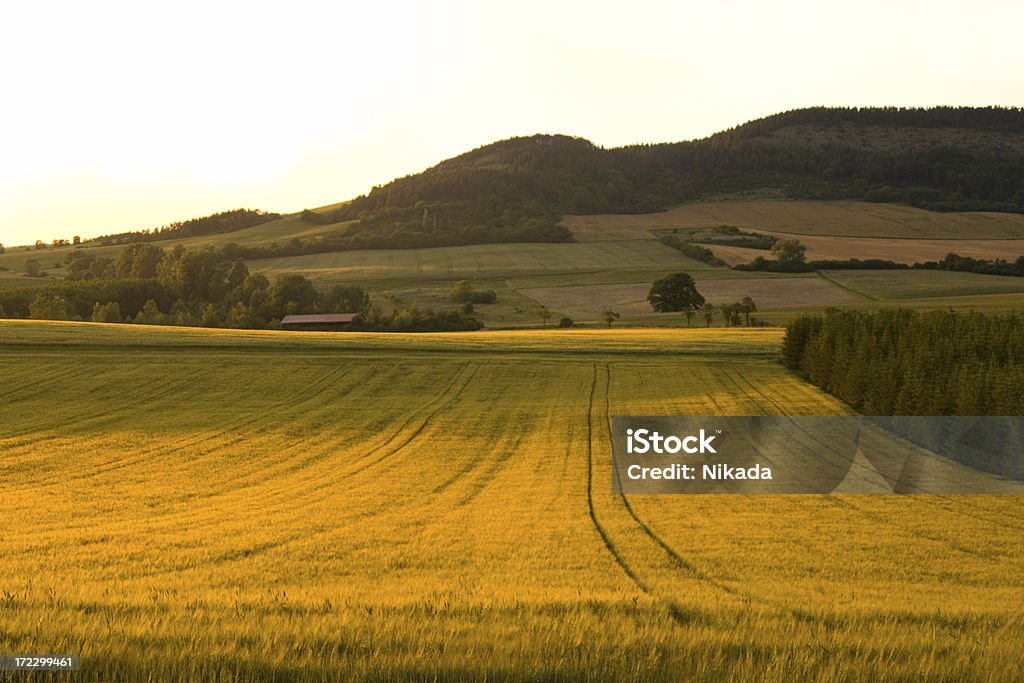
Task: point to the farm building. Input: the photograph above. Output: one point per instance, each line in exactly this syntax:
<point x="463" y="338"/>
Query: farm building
<point x="323" y="322"/>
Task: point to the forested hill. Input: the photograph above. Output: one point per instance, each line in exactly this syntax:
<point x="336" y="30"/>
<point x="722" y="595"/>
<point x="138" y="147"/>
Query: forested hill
<point x="517" y="190"/>
<point x="946" y="159"/>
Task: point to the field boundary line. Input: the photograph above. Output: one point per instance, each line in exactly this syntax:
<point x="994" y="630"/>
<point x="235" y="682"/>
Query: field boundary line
<point x="828" y="278"/>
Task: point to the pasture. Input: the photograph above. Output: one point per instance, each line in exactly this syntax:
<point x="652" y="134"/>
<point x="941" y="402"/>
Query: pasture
<point x="616" y="258"/>
<point x="280" y="231"/>
<point x="219" y="505"/>
<point x="915" y="284"/>
<point x="480" y="261"/>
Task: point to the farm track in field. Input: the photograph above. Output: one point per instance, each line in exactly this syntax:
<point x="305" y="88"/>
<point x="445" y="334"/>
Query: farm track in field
<point x="288" y="496"/>
<point x="677" y="559"/>
<point x="627" y="570"/>
<point x="917" y="532"/>
<point x="290" y="493"/>
<point x="1007" y="514"/>
<point x="55" y="430"/>
<point x="931" y="500"/>
<point x="56" y="371"/>
<point x="305" y="490"/>
<point x="650" y="545"/>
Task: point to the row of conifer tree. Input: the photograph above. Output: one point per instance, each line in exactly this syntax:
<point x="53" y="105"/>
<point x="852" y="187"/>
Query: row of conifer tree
<point x="901" y="362"/>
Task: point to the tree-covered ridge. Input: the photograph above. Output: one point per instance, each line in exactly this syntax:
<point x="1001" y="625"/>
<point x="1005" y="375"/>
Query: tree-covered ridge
<point x="517" y="190"/>
<point x="214" y="224"/>
<point x="510" y="191"/>
<point x="912" y="363"/>
<point x="1000" y="119"/>
<point x="851" y="155"/>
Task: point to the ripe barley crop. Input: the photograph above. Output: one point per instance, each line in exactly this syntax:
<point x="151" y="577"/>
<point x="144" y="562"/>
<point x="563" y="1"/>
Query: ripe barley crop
<point x="185" y="504"/>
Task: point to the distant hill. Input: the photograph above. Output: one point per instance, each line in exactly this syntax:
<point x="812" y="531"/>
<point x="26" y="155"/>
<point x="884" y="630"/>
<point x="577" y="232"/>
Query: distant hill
<point x="967" y="158"/>
<point x="518" y="190"/>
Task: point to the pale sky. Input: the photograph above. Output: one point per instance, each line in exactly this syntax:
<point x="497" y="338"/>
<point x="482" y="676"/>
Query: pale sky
<point x="127" y="115"/>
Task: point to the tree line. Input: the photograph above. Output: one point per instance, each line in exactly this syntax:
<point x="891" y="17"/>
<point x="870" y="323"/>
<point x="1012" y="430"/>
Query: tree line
<point x="966" y="264"/>
<point x="692" y="250"/>
<point x="902" y="362"/>
<point x="791" y="258"/>
<point x="517" y="190"/>
<point x="193" y="287"/>
<point x="214" y="224"/>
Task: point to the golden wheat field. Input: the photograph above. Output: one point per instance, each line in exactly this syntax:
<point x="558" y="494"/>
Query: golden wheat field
<point x="220" y="506"/>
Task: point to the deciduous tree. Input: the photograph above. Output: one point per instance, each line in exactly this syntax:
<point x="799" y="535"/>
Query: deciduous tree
<point x="748" y="307"/>
<point x="708" y="310"/>
<point x="675" y="292"/>
<point x="789" y="252"/>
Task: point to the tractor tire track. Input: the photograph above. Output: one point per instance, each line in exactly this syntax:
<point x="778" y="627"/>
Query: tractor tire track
<point x="463" y="379"/>
<point x="612" y="550"/>
<point x="175" y="517"/>
<point x="286" y="497"/>
<point x="191" y="441"/>
<point x="58" y="372"/>
<point x="752" y="392"/>
<point x="675" y="557"/>
<point x="291" y="496"/>
<point x="155" y="392"/>
<point x="280" y="496"/>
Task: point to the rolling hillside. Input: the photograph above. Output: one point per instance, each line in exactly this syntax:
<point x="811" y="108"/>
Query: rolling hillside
<point x="500" y="216"/>
<point x="617" y="257"/>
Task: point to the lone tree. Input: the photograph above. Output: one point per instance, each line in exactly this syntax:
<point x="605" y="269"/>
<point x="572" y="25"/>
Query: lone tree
<point x="748" y="307"/>
<point x="545" y="315"/>
<point x="33" y="268"/>
<point x="609" y="316"/>
<point x="675" y="292"/>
